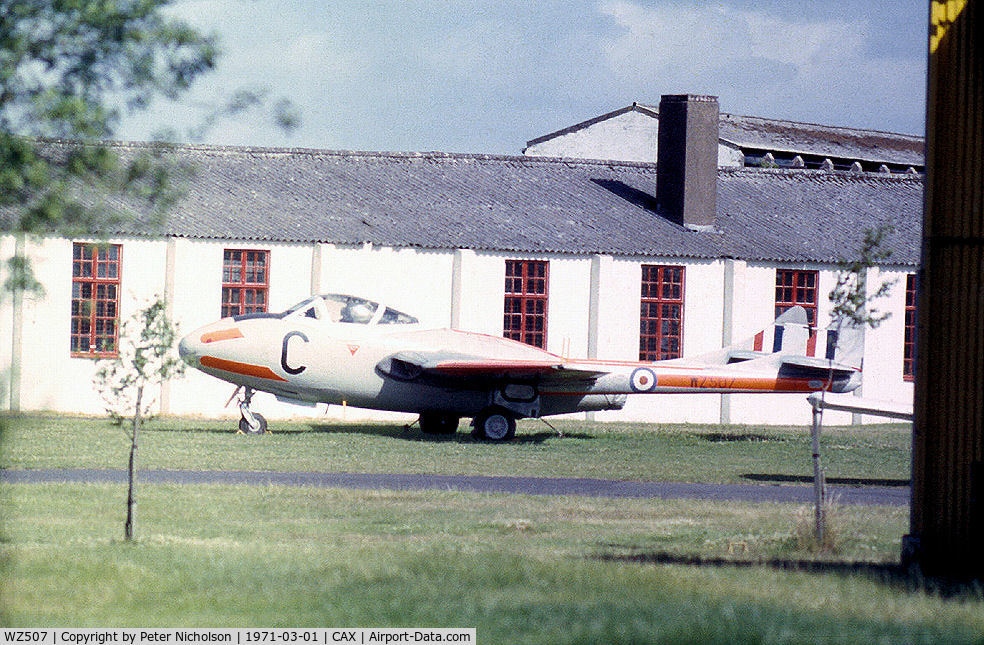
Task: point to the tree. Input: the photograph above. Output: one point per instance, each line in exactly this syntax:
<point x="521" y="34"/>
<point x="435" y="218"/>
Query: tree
<point x="146" y="358"/>
<point x="851" y="306"/>
<point x="850" y="298"/>
<point x="70" y="70"/>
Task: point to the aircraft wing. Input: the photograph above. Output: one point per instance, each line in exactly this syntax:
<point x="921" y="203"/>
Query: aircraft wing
<point x="409" y="365"/>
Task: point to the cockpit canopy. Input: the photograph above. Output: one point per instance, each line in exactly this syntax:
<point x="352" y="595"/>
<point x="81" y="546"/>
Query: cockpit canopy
<point x="339" y="308"/>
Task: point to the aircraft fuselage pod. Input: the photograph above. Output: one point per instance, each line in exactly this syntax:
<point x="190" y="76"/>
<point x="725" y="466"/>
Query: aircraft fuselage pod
<point x="343" y="349"/>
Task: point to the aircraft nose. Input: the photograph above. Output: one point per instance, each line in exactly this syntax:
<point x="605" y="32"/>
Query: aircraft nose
<point x="190" y="349"/>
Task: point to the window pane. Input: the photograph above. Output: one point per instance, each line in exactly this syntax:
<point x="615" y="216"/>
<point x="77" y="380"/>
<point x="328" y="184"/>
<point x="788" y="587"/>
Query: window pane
<point x="241" y="268"/>
<point x="524" y="304"/>
<point x="95" y="293"/>
<point x="661" y="312"/>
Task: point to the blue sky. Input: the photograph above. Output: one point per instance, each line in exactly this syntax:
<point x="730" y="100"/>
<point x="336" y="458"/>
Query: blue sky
<point x="485" y="77"/>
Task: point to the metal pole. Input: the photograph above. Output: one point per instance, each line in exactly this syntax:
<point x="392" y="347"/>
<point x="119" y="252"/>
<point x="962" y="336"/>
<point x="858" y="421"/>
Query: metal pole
<point x="818" y="485"/>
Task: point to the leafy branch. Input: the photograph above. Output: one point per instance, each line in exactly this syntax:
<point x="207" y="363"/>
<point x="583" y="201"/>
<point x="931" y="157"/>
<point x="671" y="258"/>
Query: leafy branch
<point x="146" y="358"/>
<point x="850" y="297"/>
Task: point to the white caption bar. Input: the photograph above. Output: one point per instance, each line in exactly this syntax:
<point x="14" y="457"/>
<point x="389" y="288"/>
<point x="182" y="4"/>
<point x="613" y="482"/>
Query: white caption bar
<point x="129" y="636"/>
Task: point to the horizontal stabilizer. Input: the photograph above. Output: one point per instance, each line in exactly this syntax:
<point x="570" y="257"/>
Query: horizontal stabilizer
<point x="788" y="334"/>
<point x="816" y="365"/>
<point x="838" y="376"/>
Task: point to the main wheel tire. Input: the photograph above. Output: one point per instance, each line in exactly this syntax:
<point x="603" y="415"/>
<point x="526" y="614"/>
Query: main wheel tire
<point x="495" y="424"/>
<point x="438" y="423"/>
<point x="260" y="428"/>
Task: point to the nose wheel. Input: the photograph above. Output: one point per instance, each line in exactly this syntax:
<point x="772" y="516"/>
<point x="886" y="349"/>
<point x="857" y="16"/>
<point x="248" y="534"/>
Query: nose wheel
<point x="250" y="422"/>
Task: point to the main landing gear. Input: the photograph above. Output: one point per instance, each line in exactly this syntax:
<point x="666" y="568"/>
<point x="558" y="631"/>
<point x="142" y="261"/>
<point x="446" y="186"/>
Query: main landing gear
<point x="250" y="422"/>
<point x="494" y="424"/>
<point x="491" y="424"/>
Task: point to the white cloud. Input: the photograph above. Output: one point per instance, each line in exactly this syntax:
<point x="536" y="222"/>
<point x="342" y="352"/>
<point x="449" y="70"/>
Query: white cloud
<point x="761" y="63"/>
<point x="487" y="75"/>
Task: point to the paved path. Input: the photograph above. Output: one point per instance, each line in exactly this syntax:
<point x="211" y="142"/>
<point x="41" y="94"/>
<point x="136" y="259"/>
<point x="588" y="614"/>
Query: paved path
<point x="870" y="495"/>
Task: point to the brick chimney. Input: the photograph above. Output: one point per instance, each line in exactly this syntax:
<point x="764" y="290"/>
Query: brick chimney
<point x="686" y="166"/>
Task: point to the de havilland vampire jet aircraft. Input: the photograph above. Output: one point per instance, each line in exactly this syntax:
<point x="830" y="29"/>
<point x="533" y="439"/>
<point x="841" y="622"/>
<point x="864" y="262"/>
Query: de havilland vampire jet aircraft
<point x="337" y="348"/>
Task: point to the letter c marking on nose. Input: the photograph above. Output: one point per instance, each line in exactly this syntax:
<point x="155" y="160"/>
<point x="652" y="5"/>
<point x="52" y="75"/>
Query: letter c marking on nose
<point x="283" y="353"/>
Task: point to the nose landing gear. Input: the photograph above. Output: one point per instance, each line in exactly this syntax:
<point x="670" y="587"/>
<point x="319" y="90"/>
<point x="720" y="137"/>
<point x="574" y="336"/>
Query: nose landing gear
<point x="250" y="422"/>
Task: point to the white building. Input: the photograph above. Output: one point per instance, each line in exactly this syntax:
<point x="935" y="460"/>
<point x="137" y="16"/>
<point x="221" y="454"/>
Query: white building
<point x="435" y="234"/>
<point x="631" y="134"/>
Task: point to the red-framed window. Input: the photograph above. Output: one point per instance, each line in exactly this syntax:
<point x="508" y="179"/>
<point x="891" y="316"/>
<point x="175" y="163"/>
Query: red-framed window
<point x="95" y="299"/>
<point x="661" y="315"/>
<point x="797" y="287"/>
<point x="525" y="308"/>
<point x="909" y="343"/>
<point x="245" y="281"/>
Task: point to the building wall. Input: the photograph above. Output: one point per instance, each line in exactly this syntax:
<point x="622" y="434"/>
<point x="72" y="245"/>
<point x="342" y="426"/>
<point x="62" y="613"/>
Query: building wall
<point x="7" y="338"/>
<point x="883" y="350"/>
<point x="593" y="310"/>
<point x="416" y="281"/>
<point x="197" y="301"/>
<point x="50" y="378"/>
<point x="630" y="136"/>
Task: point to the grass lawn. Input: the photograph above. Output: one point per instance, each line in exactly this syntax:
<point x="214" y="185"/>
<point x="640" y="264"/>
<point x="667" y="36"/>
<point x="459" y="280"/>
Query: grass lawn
<point x="522" y="569"/>
<point x="727" y="454"/>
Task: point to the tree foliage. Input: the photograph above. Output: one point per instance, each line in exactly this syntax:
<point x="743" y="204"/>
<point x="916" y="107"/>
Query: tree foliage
<point x="851" y="301"/>
<point x="146" y="358"/>
<point x="70" y="70"/>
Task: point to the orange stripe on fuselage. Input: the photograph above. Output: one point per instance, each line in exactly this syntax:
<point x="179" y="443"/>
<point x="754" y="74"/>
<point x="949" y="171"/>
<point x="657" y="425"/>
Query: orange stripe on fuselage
<point x="245" y="369"/>
<point x="696" y="383"/>
<point x="222" y="334"/>
<point x="741" y="383"/>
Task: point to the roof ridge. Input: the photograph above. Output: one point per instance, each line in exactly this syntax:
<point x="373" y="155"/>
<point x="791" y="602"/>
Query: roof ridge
<point x="648" y="107"/>
<point x="593" y="120"/>
<point x="822" y="125"/>
<point x="526" y="160"/>
<point x="323" y="152"/>
<point x="851" y="175"/>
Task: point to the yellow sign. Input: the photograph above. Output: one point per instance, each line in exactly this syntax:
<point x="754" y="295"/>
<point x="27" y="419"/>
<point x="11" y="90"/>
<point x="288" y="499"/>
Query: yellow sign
<point x="942" y="14"/>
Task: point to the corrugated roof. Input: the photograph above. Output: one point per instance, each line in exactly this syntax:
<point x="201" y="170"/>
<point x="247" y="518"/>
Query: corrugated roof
<point x="758" y="133"/>
<point x="528" y="205"/>
<point x="822" y="140"/>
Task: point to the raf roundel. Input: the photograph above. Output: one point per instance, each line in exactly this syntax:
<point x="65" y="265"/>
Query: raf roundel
<point x="643" y="380"/>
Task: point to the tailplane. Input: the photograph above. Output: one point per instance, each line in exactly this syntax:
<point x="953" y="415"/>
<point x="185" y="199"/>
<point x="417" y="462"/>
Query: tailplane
<point x="789" y="334"/>
<point x="831" y="357"/>
<point x="841" y="342"/>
